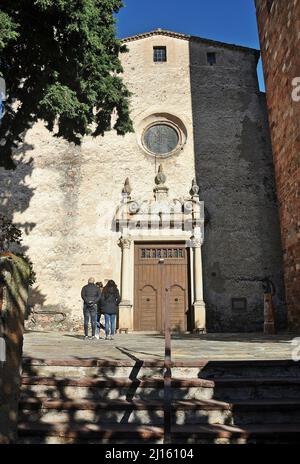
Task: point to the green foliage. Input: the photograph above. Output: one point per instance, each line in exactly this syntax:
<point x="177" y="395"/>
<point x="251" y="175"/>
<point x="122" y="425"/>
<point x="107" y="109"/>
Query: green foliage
<point x="17" y="278"/>
<point x="31" y="273"/>
<point x="60" y="60"/>
<point x="7" y="30"/>
<point x="9" y="234"/>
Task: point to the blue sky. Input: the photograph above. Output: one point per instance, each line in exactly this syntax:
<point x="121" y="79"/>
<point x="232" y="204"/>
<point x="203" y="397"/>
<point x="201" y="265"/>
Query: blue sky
<point x="231" y="21"/>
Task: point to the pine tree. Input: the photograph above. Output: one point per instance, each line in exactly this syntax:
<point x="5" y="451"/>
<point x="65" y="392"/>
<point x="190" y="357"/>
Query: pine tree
<point x="60" y="61"/>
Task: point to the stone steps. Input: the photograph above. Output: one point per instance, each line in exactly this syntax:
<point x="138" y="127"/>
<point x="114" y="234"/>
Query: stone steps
<point x="212" y="402"/>
<point x="152" y="412"/>
<point x="68" y="433"/>
<point x="45" y="403"/>
<point x="159" y="382"/>
<point x="78" y="368"/>
<point x="152" y="388"/>
<point x="270" y="433"/>
<point x="37" y="403"/>
<point x="128" y="433"/>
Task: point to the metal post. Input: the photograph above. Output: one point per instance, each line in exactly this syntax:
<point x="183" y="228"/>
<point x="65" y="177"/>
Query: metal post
<point x="168" y="373"/>
<point x="269" y="323"/>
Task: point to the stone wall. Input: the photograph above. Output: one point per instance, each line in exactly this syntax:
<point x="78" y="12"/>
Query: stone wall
<point x="235" y="174"/>
<point x="279" y="26"/>
<point x="14" y="274"/>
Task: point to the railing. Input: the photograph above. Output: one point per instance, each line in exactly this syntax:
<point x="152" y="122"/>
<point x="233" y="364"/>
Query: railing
<point x="168" y="372"/>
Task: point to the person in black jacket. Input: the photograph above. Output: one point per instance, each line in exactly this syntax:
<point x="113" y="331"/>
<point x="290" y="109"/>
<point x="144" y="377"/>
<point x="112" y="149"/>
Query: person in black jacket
<point x="91" y="295"/>
<point x="110" y="300"/>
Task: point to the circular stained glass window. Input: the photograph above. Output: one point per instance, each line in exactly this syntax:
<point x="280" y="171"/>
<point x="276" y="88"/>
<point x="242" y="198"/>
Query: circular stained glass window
<point x="161" y="139"/>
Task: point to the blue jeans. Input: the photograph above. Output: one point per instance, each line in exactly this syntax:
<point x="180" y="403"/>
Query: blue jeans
<point x="110" y="324"/>
<point x="90" y="313"/>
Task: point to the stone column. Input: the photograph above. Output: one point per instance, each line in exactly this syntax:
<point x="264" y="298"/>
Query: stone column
<point x="126" y="314"/>
<point x="199" y="305"/>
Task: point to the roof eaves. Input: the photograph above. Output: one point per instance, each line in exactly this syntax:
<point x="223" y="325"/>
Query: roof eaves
<point x="178" y="35"/>
<point x="164" y="32"/>
<point x="217" y="43"/>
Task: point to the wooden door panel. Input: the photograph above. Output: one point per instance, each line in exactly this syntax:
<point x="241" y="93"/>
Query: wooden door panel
<point x="158" y="266"/>
<point x="148" y="301"/>
<point x="176" y="280"/>
<point x="147" y="297"/>
<point x="178" y="308"/>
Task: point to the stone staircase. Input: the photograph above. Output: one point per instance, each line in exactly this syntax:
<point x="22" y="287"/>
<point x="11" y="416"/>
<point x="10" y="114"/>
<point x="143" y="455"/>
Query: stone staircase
<point x="97" y="401"/>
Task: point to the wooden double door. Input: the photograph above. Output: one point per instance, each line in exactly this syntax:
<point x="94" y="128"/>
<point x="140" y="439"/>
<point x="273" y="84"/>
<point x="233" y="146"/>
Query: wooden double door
<point x="157" y="267"/>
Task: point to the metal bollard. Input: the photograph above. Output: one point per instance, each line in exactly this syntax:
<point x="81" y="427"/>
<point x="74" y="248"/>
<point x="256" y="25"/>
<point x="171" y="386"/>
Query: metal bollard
<point x="269" y="323"/>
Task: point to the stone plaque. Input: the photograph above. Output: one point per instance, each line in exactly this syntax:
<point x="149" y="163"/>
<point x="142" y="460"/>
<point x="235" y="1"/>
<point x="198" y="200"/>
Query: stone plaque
<point x="239" y="304"/>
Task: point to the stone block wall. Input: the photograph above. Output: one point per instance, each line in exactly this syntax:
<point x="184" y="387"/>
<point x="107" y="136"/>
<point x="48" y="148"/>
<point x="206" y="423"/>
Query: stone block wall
<point x="236" y="177"/>
<point x="279" y="30"/>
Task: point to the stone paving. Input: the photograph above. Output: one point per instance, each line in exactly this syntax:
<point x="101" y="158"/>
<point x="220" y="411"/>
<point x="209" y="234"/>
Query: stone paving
<point x="151" y="346"/>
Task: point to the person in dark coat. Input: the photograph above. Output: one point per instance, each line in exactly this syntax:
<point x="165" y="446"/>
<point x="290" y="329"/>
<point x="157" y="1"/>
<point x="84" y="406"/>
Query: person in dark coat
<point x="91" y="295"/>
<point x="110" y="300"/>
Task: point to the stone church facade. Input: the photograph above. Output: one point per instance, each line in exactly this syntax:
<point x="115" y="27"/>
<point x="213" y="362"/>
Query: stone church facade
<point x="186" y="203"/>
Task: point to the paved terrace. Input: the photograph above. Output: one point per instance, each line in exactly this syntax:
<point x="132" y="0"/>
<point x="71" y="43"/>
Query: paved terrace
<point x="136" y="346"/>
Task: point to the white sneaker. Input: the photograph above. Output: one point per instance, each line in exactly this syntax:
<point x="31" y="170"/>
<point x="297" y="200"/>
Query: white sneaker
<point x="97" y="336"/>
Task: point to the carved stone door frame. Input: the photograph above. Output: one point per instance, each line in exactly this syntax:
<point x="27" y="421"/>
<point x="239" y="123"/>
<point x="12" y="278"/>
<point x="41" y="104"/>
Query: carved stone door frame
<point x="148" y="221"/>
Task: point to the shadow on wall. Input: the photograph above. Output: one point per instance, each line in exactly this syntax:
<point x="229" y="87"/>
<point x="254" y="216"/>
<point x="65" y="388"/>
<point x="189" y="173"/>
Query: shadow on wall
<point x="36" y="297"/>
<point x="15" y="194"/>
<point x="15" y="197"/>
<point x="234" y="170"/>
